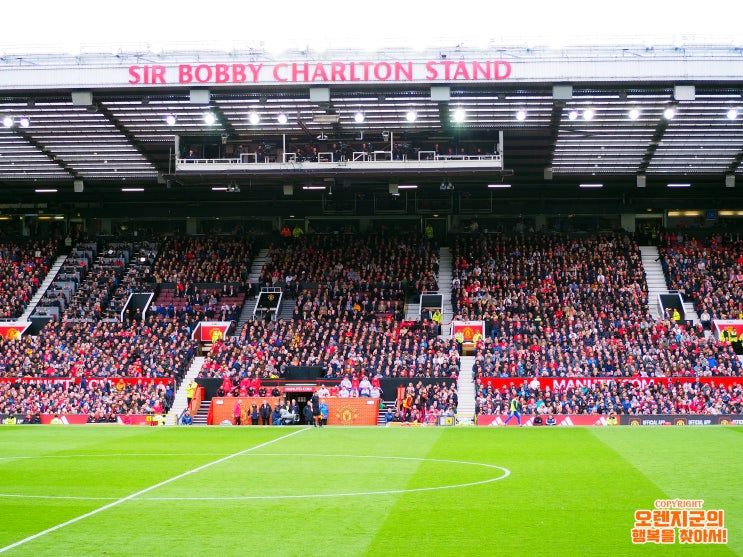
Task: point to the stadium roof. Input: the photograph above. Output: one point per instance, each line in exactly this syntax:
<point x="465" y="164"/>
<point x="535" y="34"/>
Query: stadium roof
<point x="575" y="116"/>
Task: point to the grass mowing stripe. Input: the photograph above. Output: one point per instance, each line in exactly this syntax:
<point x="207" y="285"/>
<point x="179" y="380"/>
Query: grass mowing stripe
<point x="572" y="491"/>
<point x="688" y="463"/>
<point x="143" y="491"/>
<point x="560" y="499"/>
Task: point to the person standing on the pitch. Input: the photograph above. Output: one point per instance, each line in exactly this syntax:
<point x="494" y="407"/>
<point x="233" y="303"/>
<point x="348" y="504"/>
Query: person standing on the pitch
<point x="515" y="411"/>
<point x="309" y="417"/>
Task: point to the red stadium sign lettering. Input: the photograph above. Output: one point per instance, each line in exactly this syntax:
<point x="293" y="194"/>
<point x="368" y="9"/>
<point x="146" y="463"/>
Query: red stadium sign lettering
<point x="321" y="72"/>
<point x="450" y="70"/>
<point x="148" y="75"/>
<point x="219" y="73"/>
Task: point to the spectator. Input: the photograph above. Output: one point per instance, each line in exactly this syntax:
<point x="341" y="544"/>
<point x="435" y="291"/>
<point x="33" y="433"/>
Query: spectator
<point x="187" y="419"/>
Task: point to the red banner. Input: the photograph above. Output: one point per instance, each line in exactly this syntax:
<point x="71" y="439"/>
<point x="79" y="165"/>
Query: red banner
<point x="92" y="382"/>
<point x="564" y="383"/>
<point x="467" y="331"/>
<point x="528" y="421"/>
<point x="728" y="330"/>
<point x="139" y="419"/>
<point x="13" y="331"/>
<point x="211" y="331"/>
<point x="64" y="419"/>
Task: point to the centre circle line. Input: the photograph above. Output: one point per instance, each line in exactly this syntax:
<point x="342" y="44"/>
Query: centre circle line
<point x="138" y="496"/>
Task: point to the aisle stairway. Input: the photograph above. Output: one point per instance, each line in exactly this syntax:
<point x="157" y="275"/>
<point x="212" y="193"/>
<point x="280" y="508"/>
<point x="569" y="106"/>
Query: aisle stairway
<point x="286" y="311"/>
<point x="413" y="310"/>
<point x="201" y="416"/>
<point x="254" y="277"/>
<point x="657" y="284"/>
<point x="43" y="287"/>
<point x="180" y="399"/>
<point x="654" y="277"/>
<point x="444" y="281"/>
<point x="466" y="392"/>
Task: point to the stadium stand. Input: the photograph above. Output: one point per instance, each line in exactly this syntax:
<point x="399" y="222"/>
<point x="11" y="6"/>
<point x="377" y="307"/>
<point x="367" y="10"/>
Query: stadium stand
<point x="569" y="306"/>
<point x="555" y="305"/>
<point x="23" y="267"/>
<point x="615" y="397"/>
<point x="707" y="270"/>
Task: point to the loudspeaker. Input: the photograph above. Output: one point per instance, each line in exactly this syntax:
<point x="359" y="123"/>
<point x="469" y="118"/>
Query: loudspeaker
<point x="78" y="186"/>
<point x="393" y="189"/>
<point x="82" y="98"/>
<point x="548" y="174"/>
<point x="440" y="93"/>
<point x="730" y="181"/>
<point x="288" y="189"/>
<point x="641" y="181"/>
<point x="684" y="92"/>
<point x="199" y="96"/>
<point x="320" y="94"/>
<point x="562" y="92"/>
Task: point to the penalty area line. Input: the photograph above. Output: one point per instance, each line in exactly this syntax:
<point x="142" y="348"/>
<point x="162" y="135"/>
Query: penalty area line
<point x="143" y="491"/>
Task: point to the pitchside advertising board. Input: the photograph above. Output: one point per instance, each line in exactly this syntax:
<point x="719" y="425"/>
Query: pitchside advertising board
<point x="568" y="420"/>
<point x="561" y="384"/>
<point x="681" y="420"/>
<point x="118" y="383"/>
<point x="80" y="419"/>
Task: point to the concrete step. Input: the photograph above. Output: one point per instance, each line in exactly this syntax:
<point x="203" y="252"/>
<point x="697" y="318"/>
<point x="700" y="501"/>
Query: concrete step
<point x="203" y="413"/>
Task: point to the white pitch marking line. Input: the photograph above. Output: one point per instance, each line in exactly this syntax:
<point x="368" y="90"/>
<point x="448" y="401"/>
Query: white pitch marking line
<point x="143" y="491"/>
<point x="506" y="473"/>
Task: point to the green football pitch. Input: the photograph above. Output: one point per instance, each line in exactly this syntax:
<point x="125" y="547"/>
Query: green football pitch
<point x="111" y="490"/>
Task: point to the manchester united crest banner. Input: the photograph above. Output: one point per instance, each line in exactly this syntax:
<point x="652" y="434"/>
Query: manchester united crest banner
<point x="13" y="331"/>
<point x="728" y="330"/>
<point x="211" y="331"/>
<point x="467" y="331"/>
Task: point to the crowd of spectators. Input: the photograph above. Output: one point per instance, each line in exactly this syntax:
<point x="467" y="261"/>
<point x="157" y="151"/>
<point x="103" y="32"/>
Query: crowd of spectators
<point x="541" y="276"/>
<point x="555" y="305"/>
<point x="189" y="260"/>
<point x="661" y="349"/>
<point x="616" y="396"/>
<point x="137" y="276"/>
<point x="208" y="309"/>
<point x="340" y="347"/>
<point x="88" y="282"/>
<point x="384" y="266"/>
<point x="23" y="267"/>
<point x="424" y="403"/>
<point x="102" y="404"/>
<point x="706" y="270"/>
<point x="158" y="347"/>
<point x="328" y="302"/>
